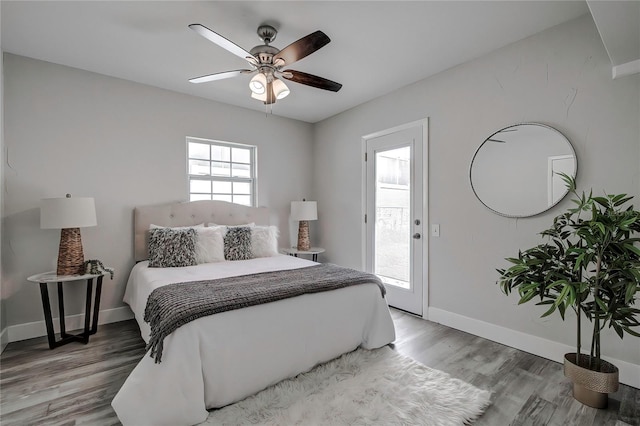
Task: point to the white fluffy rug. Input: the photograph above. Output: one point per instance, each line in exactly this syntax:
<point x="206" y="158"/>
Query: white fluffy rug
<point x="363" y="387"/>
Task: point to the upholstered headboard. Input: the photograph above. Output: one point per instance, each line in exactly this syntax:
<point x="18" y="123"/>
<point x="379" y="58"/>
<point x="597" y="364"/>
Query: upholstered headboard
<point x="191" y="213"/>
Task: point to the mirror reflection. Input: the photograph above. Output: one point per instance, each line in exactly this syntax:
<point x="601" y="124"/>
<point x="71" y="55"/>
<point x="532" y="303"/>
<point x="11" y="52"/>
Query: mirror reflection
<point x="515" y="170"/>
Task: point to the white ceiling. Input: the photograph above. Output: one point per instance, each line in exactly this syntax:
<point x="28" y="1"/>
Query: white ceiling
<point x="619" y="25"/>
<point x="377" y="46"/>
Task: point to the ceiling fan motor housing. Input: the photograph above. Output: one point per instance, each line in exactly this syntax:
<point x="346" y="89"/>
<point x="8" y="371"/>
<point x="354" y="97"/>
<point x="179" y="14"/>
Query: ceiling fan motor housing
<point x="264" y="53"/>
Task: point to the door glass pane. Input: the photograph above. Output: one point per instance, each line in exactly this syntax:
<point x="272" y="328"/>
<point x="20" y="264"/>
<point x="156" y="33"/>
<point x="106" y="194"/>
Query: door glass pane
<point x="393" y="215"/>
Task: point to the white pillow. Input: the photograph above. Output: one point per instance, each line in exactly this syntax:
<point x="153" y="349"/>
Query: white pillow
<point x="213" y="225"/>
<point x="264" y="241"/>
<point x="200" y="225"/>
<point x="209" y="245"/>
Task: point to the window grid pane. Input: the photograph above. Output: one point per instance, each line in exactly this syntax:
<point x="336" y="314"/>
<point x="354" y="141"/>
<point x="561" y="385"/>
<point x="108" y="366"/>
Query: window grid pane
<point x="221" y="171"/>
<point x="199" y="150"/>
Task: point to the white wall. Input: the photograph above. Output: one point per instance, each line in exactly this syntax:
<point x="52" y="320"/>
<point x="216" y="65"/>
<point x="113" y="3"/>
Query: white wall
<point x="123" y="143"/>
<point x="560" y="77"/>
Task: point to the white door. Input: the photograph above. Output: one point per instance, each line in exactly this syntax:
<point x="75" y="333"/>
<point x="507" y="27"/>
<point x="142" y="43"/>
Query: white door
<point x="556" y="187"/>
<point x="394" y="240"/>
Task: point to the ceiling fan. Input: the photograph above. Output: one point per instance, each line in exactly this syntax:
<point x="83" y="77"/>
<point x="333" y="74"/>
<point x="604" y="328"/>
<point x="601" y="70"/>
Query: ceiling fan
<point x="266" y="63"/>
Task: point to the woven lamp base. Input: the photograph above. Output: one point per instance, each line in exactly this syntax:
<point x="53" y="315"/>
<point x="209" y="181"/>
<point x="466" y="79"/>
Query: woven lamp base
<point x="70" y="254"/>
<point x="303" y="236"/>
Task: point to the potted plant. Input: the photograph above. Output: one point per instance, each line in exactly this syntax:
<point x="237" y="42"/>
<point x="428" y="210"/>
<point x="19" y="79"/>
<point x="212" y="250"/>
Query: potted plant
<point x="590" y="265"/>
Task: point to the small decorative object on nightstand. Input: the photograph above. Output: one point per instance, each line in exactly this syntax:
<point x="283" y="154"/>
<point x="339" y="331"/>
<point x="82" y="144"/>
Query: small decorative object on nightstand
<point x="313" y="251"/>
<point x="89" y="328"/>
<point x="304" y="211"/>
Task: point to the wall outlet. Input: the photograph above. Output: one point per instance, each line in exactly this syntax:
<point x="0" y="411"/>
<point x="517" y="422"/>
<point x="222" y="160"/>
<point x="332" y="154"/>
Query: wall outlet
<point x="435" y="230"/>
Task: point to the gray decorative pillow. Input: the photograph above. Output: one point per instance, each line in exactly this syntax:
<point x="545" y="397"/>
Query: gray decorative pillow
<point x="171" y="248"/>
<point x="237" y="243"/>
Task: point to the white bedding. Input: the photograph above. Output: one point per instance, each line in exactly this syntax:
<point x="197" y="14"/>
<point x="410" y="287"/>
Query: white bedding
<point x="223" y="358"/>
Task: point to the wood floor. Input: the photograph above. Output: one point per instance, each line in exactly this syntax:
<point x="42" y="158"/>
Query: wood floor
<point x="74" y="384"/>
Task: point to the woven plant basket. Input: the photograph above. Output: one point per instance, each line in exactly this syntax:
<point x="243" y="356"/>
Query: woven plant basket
<point x="591" y="387"/>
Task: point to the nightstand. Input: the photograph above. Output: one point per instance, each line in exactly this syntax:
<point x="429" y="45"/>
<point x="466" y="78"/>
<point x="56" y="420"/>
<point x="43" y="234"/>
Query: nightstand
<point x="89" y="328"/>
<point x="313" y="251"/>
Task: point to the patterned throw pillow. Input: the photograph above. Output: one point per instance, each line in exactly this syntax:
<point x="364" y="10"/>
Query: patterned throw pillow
<point x="237" y="243"/>
<point x="171" y="248"/>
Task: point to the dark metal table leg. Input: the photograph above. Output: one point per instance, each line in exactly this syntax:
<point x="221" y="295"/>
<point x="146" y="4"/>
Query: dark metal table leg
<point x="90" y="318"/>
<point x="315" y="257"/>
<point x="46" y="306"/>
<point x="63" y="329"/>
<point x="87" y="312"/>
<point x="96" y="305"/>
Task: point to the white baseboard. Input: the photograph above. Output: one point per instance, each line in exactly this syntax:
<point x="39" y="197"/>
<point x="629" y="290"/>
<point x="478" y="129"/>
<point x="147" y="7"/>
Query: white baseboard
<point x="73" y="322"/>
<point x="554" y="351"/>
<point x="4" y="339"/>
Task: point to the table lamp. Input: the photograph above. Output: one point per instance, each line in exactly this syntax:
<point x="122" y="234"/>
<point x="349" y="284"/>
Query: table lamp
<point x="304" y="211"/>
<point x="68" y="214"/>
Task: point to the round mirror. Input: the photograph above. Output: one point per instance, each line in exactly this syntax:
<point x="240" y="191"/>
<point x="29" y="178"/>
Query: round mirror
<point x="515" y="172"/>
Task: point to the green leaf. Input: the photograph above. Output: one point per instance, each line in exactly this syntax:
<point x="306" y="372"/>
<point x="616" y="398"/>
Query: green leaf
<point x="631" y="332"/>
<point x="602" y="201"/>
<point x="549" y="312"/>
<point x="621" y="201"/>
<point x="618" y="329"/>
<point x="601" y="304"/>
<point x="631" y="291"/>
<point x="632" y="248"/>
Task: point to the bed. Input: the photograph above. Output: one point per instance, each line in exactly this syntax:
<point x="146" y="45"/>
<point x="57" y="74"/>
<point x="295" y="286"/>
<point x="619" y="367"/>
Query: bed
<point x="220" y="359"/>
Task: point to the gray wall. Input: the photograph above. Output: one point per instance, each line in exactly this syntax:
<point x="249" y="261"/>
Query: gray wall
<point x="123" y="143"/>
<point x="560" y="77"/>
<point x="3" y="317"/>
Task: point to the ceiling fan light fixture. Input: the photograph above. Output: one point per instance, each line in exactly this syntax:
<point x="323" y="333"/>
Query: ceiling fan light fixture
<point x="261" y="97"/>
<point x="258" y="84"/>
<point x="280" y="89"/>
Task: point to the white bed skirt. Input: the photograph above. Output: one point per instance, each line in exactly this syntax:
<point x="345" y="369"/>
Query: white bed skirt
<point x="221" y="359"/>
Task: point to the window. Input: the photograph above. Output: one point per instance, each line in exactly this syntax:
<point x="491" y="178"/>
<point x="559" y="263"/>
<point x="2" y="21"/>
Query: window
<point x="221" y="171"/>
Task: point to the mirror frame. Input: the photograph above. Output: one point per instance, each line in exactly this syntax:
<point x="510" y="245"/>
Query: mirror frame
<point x="575" y="169"/>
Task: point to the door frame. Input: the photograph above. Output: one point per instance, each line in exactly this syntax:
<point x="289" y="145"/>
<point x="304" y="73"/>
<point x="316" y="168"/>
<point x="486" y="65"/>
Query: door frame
<point x="424" y="125"/>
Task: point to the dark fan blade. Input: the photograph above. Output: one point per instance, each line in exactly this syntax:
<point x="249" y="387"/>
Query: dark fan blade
<point x="221" y="41"/>
<point x="303" y="47"/>
<point x="312" y="80"/>
<point x="219" y="76"/>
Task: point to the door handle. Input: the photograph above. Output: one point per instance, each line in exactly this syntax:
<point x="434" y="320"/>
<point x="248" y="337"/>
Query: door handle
<point x="416" y="236"/>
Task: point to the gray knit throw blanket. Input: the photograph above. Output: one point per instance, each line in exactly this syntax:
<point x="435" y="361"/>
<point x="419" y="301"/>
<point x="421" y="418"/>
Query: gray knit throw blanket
<point x="171" y="306"/>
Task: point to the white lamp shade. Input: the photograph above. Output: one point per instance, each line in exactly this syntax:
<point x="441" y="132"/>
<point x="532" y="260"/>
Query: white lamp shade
<point x="69" y="212"/>
<point x="258" y="84"/>
<point x="304" y="210"/>
<point x="280" y="89"/>
<point x="262" y="97"/>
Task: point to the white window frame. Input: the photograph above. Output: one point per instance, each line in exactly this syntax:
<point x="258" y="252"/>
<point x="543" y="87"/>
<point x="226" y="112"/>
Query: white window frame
<point x="252" y="179"/>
